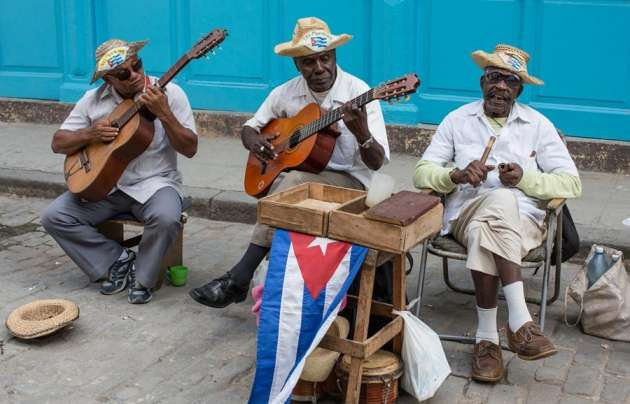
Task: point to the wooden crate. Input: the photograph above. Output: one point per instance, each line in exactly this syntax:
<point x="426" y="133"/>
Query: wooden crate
<point x="347" y="223"/>
<point x="304" y="208"/>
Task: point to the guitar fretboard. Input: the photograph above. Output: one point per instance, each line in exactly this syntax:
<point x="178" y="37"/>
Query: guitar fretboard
<point x="328" y="118"/>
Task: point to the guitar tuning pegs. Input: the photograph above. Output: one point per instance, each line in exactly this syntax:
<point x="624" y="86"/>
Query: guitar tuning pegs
<point x="407" y="98"/>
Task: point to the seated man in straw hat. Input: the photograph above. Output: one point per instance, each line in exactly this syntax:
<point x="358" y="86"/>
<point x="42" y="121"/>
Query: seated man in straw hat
<point x="495" y="213"/>
<point x="360" y="149"/>
<point x="150" y="186"/>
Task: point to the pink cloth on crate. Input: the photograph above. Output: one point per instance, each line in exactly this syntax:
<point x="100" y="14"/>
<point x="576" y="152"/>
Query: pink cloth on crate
<point x="257" y="295"/>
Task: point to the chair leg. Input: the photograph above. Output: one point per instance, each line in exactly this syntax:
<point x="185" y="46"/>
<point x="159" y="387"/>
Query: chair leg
<point x="421" y="275"/>
<point x="545" y="285"/>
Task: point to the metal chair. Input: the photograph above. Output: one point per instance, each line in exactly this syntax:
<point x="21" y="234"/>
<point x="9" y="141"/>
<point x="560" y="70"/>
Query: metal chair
<point x="447" y="248"/>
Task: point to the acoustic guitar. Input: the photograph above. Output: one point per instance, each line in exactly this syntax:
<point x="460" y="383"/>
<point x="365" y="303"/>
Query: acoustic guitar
<point x="304" y="144"/>
<point x="95" y="169"/>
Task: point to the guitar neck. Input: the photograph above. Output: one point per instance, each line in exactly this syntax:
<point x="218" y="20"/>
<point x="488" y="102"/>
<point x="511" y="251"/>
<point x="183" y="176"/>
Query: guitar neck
<point x="332" y="116"/>
<point x="172" y="72"/>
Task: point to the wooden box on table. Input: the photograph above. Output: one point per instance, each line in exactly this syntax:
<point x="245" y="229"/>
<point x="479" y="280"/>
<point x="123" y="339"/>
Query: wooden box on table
<point x="304" y="208"/>
<point x="350" y="223"/>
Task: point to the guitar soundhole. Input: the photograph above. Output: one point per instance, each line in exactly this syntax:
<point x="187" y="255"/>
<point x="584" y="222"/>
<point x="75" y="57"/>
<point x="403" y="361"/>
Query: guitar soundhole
<point x="294" y="140"/>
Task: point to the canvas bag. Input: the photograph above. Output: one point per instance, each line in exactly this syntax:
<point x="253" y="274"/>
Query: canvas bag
<point x="604" y="308"/>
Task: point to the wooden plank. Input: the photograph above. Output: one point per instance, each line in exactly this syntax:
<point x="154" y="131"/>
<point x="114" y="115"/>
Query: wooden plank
<point x="398" y="298"/>
<point x="365" y="297"/>
<point x="343" y="345"/>
<point x="403" y="208"/>
<point x="112" y="229"/>
<point x="384" y="335"/>
<point x="378" y="308"/>
<point x="353" y="390"/>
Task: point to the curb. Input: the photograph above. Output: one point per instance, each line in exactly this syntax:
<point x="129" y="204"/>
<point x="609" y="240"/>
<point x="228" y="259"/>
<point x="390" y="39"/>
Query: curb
<point x="208" y="203"/>
<point x="588" y="154"/>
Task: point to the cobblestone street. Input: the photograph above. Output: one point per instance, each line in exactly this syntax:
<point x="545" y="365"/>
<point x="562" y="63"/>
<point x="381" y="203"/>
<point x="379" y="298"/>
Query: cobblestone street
<point x="176" y="351"/>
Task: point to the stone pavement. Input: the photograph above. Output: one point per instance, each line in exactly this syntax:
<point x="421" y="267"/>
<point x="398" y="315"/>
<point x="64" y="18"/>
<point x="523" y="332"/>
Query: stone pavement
<point x="214" y="178"/>
<point x="176" y="351"/>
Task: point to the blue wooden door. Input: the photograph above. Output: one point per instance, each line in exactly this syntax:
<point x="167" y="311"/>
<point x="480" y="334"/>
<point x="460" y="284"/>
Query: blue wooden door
<point x="581" y="48"/>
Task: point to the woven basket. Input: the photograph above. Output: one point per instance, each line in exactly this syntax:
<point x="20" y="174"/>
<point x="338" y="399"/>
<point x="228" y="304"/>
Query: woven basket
<point x="41" y="317"/>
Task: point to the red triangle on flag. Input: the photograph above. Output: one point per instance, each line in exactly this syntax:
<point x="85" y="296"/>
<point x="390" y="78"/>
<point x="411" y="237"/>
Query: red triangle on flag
<point x="316" y="266"/>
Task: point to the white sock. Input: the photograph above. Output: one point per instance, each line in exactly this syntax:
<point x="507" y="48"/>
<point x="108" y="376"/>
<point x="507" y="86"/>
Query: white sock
<point x="487" y="325"/>
<point x="518" y="314"/>
<point x="123" y="255"/>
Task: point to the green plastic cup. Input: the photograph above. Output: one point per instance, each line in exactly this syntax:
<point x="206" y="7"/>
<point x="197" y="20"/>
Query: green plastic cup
<point x="177" y="275"/>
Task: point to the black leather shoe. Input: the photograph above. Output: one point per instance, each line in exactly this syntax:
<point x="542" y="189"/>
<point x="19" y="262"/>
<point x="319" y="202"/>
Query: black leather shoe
<point x="219" y="292"/>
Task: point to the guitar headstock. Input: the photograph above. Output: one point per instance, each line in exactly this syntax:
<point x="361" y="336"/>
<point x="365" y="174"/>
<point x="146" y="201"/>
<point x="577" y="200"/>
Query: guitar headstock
<point x="207" y="43"/>
<point x="394" y="89"/>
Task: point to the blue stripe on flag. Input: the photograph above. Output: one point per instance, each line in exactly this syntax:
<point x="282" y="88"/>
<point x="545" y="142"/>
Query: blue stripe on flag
<point x="268" y="327"/>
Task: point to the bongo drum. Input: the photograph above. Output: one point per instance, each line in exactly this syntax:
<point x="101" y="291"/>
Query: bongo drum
<point x="379" y="382"/>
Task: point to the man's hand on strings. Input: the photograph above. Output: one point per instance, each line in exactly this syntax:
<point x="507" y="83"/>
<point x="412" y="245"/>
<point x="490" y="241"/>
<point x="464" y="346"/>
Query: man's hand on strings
<point x="260" y="144"/>
<point x="156" y="101"/>
<point x="103" y="131"/>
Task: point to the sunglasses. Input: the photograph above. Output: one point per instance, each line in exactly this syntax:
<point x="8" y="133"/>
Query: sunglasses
<point x="497" y="77"/>
<point x="123" y="75"/>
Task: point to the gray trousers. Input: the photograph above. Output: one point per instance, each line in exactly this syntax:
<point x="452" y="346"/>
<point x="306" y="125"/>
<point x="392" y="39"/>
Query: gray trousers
<point x="263" y="234"/>
<point x="72" y="223"/>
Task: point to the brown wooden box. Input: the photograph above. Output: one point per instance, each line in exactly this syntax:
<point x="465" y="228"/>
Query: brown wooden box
<point x="347" y="223"/>
<point x="304" y="208"/>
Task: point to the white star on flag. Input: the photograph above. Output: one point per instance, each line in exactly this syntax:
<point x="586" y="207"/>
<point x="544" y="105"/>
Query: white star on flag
<point x="322" y="243"/>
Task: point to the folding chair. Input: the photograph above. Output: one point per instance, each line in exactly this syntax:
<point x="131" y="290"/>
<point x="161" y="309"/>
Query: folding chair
<point x="447" y="248"/>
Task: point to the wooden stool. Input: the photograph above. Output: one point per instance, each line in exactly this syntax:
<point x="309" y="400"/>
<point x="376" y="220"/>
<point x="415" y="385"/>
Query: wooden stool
<point x="114" y="229"/>
<point x="361" y="347"/>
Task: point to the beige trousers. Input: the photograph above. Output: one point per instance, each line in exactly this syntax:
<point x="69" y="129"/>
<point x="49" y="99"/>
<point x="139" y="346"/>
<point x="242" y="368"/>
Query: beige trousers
<point x="263" y="234"/>
<point x="491" y="224"/>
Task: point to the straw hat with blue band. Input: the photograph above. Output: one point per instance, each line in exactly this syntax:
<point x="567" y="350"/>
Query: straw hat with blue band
<point x="113" y="53"/>
<point x="509" y="58"/>
<point x="310" y="35"/>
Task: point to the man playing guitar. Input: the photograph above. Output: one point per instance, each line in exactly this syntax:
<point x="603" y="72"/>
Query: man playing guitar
<point x="149" y="188"/>
<point x="360" y="148"/>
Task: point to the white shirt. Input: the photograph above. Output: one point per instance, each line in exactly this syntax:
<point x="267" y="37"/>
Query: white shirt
<point x="528" y="139"/>
<point x="289" y="98"/>
<point x="157" y="166"/>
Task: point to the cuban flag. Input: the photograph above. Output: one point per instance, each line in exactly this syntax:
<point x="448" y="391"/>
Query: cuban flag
<point x="306" y="281"/>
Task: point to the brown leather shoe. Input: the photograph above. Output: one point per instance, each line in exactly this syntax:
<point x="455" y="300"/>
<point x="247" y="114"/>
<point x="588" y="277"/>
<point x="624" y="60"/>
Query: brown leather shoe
<point x="487" y="363"/>
<point x="529" y="343"/>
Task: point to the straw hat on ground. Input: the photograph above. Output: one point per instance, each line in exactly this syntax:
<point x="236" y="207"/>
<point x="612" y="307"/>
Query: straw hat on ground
<point x="310" y="35"/>
<point x="41" y="317"/>
<point x="509" y="58"/>
<point x="113" y="53"/>
<point x="321" y="362"/>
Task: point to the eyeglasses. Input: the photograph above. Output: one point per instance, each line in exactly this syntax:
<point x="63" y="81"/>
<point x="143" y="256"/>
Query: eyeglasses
<point x="123" y="75"/>
<point x="509" y="79"/>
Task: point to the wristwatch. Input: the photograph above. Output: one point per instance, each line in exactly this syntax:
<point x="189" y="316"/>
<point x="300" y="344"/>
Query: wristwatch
<point x="368" y="143"/>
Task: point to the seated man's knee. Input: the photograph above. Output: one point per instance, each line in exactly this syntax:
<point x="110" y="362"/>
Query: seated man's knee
<point x="50" y="218"/>
<point x="166" y="223"/>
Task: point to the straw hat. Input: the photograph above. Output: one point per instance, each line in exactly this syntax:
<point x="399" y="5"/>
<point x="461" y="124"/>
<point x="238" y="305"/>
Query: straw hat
<point x="509" y="58"/>
<point x="310" y="35"/>
<point x="321" y="362"/>
<point x="41" y="317"/>
<point x="113" y="53"/>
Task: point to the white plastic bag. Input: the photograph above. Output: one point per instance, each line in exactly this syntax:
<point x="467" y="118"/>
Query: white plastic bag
<point x="426" y="366"/>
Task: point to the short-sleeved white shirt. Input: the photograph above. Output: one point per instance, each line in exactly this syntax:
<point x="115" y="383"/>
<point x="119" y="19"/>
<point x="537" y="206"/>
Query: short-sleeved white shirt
<point x="289" y="98"/>
<point x="157" y="166"/>
<point x="527" y="138"/>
